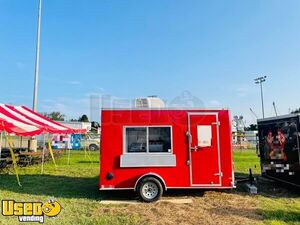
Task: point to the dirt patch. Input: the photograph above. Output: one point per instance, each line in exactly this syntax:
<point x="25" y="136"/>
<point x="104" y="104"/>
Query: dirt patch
<point x="211" y="207"/>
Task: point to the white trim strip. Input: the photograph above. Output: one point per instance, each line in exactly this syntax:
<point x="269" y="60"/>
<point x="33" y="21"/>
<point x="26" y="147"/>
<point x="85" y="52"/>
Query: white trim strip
<point x="110" y="189"/>
<point x="170" y="108"/>
<point x="193" y="187"/>
<point x="189" y="114"/>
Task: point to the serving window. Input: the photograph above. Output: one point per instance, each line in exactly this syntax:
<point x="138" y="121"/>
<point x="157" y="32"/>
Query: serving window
<point x="136" y="139"/>
<point x="159" y="139"/>
<point x="147" y="146"/>
<point x="150" y="139"/>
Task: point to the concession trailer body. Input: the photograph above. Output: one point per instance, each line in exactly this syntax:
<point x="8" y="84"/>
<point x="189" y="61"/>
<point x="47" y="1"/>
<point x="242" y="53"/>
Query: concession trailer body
<point x="153" y="150"/>
<point x="279" y="148"/>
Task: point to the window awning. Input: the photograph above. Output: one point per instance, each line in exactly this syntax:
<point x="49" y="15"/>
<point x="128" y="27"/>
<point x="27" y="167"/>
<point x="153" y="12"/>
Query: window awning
<point x="22" y="121"/>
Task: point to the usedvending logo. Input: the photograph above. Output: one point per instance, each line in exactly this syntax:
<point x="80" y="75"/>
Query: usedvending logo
<point x="30" y="211"/>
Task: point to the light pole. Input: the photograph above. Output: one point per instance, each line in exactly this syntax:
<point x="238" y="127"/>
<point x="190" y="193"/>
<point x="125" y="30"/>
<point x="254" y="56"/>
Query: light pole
<point x="259" y="81"/>
<point x="37" y="58"/>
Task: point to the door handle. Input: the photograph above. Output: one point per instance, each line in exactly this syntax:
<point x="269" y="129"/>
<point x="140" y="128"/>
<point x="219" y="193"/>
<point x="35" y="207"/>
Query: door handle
<point x="195" y="148"/>
<point x="189" y="136"/>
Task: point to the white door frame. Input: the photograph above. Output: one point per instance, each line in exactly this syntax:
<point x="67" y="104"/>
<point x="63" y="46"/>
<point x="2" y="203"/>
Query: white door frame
<point x="218" y="148"/>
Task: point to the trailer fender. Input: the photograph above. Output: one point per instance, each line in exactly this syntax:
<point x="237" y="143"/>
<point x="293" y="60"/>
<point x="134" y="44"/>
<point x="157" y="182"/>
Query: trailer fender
<point x="155" y="175"/>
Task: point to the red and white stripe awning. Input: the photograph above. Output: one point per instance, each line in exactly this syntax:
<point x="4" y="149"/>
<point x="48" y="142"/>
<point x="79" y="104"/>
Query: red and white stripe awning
<point x="19" y="128"/>
<point x="25" y="122"/>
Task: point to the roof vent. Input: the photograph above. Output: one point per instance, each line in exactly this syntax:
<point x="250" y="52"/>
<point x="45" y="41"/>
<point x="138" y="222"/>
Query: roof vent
<point x="149" y="102"/>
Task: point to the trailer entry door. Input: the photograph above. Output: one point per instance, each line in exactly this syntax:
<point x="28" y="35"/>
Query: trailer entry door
<point x="204" y="149"/>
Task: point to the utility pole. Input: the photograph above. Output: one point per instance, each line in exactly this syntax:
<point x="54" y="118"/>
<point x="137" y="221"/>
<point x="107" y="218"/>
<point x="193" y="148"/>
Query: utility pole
<point x="259" y="81"/>
<point x="253" y="113"/>
<point x="37" y="59"/>
<point x="275" y="109"/>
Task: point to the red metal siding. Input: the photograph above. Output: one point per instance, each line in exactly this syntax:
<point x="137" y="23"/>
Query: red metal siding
<point x="113" y="122"/>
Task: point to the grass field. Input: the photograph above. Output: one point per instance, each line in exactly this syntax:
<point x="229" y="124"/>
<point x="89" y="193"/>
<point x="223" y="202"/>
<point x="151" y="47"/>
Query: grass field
<point x="75" y="186"/>
<point x="277" y="204"/>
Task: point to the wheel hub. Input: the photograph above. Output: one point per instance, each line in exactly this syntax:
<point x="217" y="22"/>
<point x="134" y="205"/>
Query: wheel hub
<point x="150" y="190"/>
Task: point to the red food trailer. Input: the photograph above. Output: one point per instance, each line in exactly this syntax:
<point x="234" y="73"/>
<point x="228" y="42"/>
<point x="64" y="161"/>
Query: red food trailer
<point x="153" y="150"/>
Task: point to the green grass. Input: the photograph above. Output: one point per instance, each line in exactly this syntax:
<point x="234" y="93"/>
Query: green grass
<point x="283" y="210"/>
<point x="245" y="159"/>
<point x="277" y="204"/>
<point x="75" y="186"/>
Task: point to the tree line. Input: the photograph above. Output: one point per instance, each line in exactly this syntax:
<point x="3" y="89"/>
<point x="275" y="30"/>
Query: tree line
<point x="58" y="116"/>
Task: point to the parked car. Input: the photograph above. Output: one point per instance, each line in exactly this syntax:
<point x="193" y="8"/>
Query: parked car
<point x="90" y="141"/>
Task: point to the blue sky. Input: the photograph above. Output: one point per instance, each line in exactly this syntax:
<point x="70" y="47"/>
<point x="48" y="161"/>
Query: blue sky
<point x="128" y="49"/>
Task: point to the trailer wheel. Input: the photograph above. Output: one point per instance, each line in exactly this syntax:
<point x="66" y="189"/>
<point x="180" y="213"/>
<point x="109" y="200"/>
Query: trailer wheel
<point x="150" y="189"/>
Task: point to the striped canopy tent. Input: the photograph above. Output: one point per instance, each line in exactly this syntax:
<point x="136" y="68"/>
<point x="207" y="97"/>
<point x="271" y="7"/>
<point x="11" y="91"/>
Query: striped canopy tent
<point x="22" y="121"/>
<point x="19" y="128"/>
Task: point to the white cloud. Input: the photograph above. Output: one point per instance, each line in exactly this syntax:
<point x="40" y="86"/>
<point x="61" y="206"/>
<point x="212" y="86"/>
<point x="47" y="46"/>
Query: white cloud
<point x="71" y="107"/>
<point x="20" y="65"/>
<point x="214" y="103"/>
<point x="100" y="89"/>
<point x="74" y="82"/>
<point x="89" y="94"/>
<point x="242" y="91"/>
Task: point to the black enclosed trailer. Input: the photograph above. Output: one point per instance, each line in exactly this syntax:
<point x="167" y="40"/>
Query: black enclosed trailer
<point x="279" y="148"/>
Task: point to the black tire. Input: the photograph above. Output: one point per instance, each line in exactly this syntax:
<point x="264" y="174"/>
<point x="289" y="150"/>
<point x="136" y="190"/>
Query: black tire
<point x="149" y="189"/>
<point x="93" y="147"/>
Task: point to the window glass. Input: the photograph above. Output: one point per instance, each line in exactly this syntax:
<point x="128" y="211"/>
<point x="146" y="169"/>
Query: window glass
<point x="159" y="139"/>
<point x="136" y="139"/>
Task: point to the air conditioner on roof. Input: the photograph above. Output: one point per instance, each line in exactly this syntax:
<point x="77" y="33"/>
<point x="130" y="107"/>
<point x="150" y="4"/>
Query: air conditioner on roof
<point x="149" y="102"/>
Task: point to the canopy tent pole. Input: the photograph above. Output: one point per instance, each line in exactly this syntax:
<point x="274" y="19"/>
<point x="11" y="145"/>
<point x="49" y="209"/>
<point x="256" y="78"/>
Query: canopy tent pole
<point x="1" y="139"/>
<point x="69" y="148"/>
<point x="20" y="142"/>
<point x="13" y="157"/>
<point x="85" y="152"/>
<point x="69" y="154"/>
<point x="51" y="151"/>
<point x="43" y="154"/>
